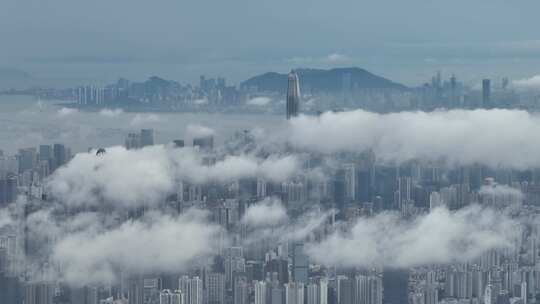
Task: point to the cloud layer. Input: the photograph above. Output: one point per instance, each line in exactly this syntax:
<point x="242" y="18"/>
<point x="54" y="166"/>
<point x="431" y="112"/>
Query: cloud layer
<point x="490" y="137"/>
<point x="146" y="176"/>
<point x="155" y="243"/>
<point x="259" y="101"/>
<point x="267" y="212"/>
<point x="532" y="83"/>
<point x="438" y="237"/>
<point x="195" y="130"/>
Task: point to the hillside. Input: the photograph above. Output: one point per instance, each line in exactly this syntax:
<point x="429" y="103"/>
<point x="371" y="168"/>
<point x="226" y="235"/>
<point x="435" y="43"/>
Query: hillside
<point x="334" y="80"/>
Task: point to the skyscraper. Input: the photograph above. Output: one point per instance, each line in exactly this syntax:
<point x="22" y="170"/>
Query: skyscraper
<point x="260" y="292"/>
<point x="192" y="289"/>
<point x="205" y="143"/>
<point x="60" y="155"/>
<point x="215" y="288"/>
<point x="294" y="293"/>
<point x="147" y="137"/>
<point x="293" y="95"/>
<point x="300" y="264"/>
<point x="486" y="93"/>
<point x="167" y="296"/>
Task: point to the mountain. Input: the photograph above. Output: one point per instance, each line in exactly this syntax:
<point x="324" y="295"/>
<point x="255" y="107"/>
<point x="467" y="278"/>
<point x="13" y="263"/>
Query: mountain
<point x="318" y="80"/>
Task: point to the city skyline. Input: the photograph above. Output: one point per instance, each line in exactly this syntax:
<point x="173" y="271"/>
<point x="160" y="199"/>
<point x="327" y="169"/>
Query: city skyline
<point x="269" y="152"/>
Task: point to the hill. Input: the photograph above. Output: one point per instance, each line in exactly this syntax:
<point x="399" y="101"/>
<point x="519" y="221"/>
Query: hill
<point x="318" y="80"/>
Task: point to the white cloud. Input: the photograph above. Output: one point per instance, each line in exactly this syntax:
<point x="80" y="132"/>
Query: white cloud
<point x="532" y="83"/>
<point x="5" y="218"/>
<point x="439" y="237"/>
<point x="111" y="112"/>
<point x="259" y="101"/>
<point x="336" y="58"/>
<point x="63" y="112"/>
<point x="267" y="212"/>
<point x="144" y="119"/>
<point x="146" y="176"/>
<point x="195" y="130"/>
<point x="157" y="242"/>
<point x="490" y="137"/>
<point x="201" y="101"/>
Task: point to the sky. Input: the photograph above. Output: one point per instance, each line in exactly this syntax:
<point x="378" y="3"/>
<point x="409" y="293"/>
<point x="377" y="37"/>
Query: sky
<point x="405" y="41"/>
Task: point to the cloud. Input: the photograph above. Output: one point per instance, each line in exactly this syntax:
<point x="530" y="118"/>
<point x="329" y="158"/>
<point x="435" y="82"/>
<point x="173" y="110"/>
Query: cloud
<point x="489" y="137"/>
<point x="501" y="196"/>
<point x="267" y="212"/>
<point x="532" y="83"/>
<point x="439" y="237"/>
<point x="63" y="112"/>
<point x="201" y="101"/>
<point x="331" y="58"/>
<point x="195" y="130"/>
<point x="5" y="218"/>
<point x="127" y="178"/>
<point x="259" y="101"/>
<point x="111" y="112"/>
<point x="144" y="119"/>
<point x="155" y="243"/>
<point x="336" y="57"/>
<point x="120" y="177"/>
<point x="278" y="227"/>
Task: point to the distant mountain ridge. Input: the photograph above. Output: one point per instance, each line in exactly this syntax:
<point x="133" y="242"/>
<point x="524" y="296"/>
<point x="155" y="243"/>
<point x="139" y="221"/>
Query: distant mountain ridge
<point x="333" y="80"/>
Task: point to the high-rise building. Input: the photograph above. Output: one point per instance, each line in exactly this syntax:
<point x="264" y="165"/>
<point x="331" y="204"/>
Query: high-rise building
<point x="27" y="159"/>
<point x="216" y="288"/>
<point x="167" y="296"/>
<point x="46" y="155"/>
<point x="395" y="286"/>
<point x="488" y="295"/>
<point x="277" y="294"/>
<point x="11" y="290"/>
<point x="486" y="93"/>
<point x="350" y="181"/>
<point x="135" y="290"/>
<point x="294" y="293"/>
<point x="523" y="292"/>
<point x="60" y="155"/>
<point x="293" y="95"/>
<point x="133" y="141"/>
<point x="192" y="289"/>
<point x="39" y="293"/>
<point x="234" y="262"/>
<point x="280" y="267"/>
<point x="260" y="292"/>
<point x="205" y="143"/>
<point x="240" y="291"/>
<point x="84" y="295"/>
<point x="431" y="294"/>
<point x="147" y="137"/>
<point x="300" y="264"/>
<point x="152" y="287"/>
<point x="178" y="143"/>
<point x="8" y="188"/>
<point x="403" y="191"/>
<point x="317" y="293"/>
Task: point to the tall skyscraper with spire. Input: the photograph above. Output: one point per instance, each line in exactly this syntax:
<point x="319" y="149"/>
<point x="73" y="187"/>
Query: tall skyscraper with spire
<point x="293" y="95"/>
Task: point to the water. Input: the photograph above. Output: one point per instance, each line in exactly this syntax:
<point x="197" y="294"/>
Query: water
<point x="26" y="122"/>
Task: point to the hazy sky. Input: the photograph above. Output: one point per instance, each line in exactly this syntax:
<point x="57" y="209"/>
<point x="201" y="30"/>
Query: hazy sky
<point x="403" y="40"/>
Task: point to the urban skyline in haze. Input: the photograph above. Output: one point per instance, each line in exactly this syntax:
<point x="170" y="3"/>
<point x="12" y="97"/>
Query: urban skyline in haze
<point x="269" y="152"/>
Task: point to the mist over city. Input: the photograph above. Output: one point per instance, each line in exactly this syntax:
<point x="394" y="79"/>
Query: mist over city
<point x="271" y="152"/>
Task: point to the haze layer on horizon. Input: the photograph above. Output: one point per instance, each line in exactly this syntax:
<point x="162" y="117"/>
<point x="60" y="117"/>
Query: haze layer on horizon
<point x="404" y="41"/>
